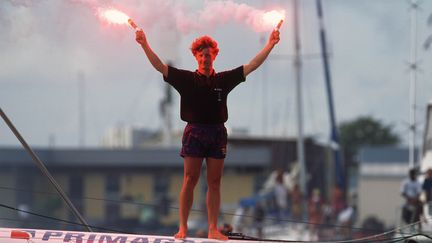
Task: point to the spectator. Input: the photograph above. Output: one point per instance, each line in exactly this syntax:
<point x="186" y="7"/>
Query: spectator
<point x="281" y="196"/>
<point x="296" y="203"/>
<point x="337" y="203"/>
<point x="411" y="190"/>
<point x="259" y="216"/>
<point x="315" y="210"/>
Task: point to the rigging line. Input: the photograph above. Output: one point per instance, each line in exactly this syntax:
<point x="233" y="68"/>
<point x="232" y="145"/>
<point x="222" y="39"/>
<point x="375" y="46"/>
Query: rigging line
<point x="60" y="220"/>
<point x="196" y="210"/>
<point x="230" y="214"/>
<point x="362" y="240"/>
<point x="387" y="240"/>
<point x="43" y="169"/>
<point x="236" y="236"/>
<point x="394" y="240"/>
<point x="203" y="211"/>
<point x="371" y="238"/>
<point x="423" y="234"/>
<point x="378" y="235"/>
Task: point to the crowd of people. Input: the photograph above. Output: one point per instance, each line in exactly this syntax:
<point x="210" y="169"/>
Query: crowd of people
<point x="282" y="202"/>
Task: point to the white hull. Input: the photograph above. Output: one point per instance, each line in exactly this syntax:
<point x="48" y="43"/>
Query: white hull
<point x="13" y="235"/>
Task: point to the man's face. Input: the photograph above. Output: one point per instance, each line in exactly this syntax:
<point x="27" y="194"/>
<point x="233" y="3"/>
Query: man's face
<point x="205" y="59"/>
<point x="413" y="175"/>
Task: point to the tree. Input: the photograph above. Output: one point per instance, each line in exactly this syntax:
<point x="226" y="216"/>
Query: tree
<point x="365" y="131"/>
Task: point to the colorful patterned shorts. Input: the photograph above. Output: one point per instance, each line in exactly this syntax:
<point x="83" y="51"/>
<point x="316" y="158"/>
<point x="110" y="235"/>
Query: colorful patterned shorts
<point x="204" y="140"/>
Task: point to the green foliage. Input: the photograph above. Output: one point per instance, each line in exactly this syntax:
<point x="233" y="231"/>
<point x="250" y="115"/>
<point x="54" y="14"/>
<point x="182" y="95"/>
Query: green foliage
<point x="365" y="131"/>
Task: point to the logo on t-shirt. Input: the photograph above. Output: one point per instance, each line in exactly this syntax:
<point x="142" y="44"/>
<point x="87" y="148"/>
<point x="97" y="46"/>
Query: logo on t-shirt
<point x="219" y="93"/>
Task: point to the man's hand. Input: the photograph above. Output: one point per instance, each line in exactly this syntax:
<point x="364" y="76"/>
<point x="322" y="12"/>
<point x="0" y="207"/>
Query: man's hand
<point x="274" y="36"/>
<point x="140" y="37"/>
<point x="262" y="55"/>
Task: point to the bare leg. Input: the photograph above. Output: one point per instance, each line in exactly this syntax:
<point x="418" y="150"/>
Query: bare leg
<point x="214" y="174"/>
<point x="192" y="169"/>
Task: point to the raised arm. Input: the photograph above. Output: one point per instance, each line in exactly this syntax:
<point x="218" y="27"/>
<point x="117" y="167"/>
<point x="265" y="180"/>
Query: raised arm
<point x="262" y="55"/>
<point x="152" y="57"/>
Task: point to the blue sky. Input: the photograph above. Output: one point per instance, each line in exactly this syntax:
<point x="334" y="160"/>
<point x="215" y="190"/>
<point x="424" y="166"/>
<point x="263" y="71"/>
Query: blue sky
<point x="45" y="46"/>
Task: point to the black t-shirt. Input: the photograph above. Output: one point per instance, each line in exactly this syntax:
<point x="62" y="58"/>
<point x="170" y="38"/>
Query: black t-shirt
<point x="203" y="100"/>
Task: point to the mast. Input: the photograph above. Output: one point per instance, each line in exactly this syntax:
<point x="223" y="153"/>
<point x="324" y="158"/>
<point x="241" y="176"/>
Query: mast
<point x="334" y="134"/>
<point x="413" y="79"/>
<point x="298" y="79"/>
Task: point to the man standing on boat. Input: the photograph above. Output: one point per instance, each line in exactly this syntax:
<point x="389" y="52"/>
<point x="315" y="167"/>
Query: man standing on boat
<point x="204" y="107"/>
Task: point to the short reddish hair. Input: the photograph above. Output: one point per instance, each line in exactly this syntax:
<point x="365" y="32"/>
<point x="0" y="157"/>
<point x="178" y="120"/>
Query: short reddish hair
<point x="204" y="42"/>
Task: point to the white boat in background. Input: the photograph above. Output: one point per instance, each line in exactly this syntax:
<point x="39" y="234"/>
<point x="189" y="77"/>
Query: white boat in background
<point x="426" y="163"/>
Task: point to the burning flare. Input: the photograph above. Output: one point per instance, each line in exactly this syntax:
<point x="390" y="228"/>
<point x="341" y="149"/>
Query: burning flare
<point x="273" y="18"/>
<point x="115" y="16"/>
<point x="215" y="13"/>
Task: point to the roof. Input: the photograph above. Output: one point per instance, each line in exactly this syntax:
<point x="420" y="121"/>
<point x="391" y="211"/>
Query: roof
<point x="383" y="162"/>
<point x="160" y="157"/>
<point x="383" y="154"/>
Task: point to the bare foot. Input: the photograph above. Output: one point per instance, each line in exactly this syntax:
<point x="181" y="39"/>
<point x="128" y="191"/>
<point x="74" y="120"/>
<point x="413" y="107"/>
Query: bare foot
<point x="181" y="234"/>
<point x="215" y="234"/>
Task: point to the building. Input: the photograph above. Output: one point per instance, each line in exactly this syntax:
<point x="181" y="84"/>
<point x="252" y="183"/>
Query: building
<point x="128" y="137"/>
<point x="381" y="172"/>
<point x="101" y="181"/>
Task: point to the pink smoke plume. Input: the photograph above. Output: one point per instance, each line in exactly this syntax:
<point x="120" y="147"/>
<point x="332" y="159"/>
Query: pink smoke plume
<point x="212" y="15"/>
<point x="177" y="14"/>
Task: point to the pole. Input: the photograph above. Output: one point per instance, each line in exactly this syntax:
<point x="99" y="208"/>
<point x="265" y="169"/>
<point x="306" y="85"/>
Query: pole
<point x="334" y="135"/>
<point x="413" y="80"/>
<point x="298" y="78"/>
<point x="44" y="170"/>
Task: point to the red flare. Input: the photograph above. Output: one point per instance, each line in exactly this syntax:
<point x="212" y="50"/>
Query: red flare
<point x="279" y="25"/>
